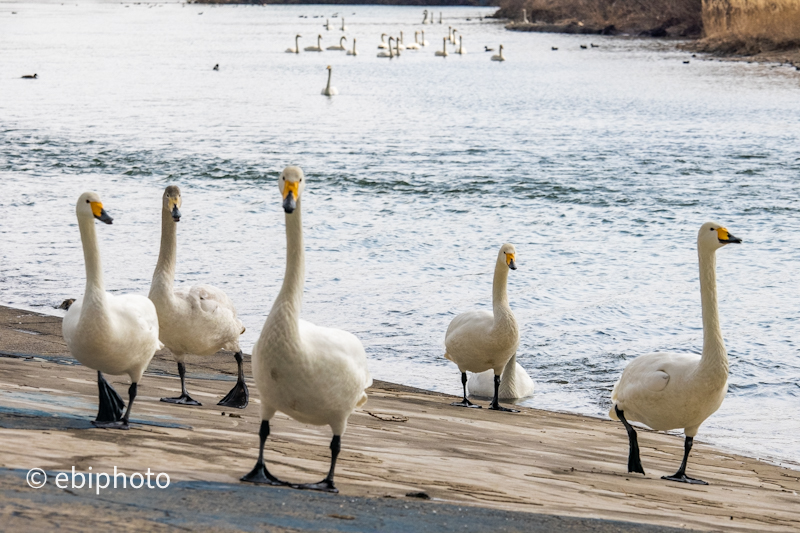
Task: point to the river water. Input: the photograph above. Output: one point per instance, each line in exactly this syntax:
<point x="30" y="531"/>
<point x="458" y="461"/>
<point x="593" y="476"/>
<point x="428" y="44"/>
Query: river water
<point x="599" y="164"/>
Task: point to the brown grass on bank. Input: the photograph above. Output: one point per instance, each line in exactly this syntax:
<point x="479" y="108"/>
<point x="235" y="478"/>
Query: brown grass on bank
<point x="751" y="26"/>
<point x="625" y="15"/>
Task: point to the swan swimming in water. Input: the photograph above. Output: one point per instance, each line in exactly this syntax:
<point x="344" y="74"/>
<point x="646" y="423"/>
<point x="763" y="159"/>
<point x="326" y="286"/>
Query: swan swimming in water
<point x="317" y="48"/>
<point x="383" y="45"/>
<point x="313" y="374"/>
<point x="390" y="53"/>
<point x="353" y="52"/>
<point x="485" y="340"/>
<point x="112" y="334"/>
<point x="340" y="46"/>
<point x="515" y="383"/>
<point x="328" y="90"/>
<point x="327" y="24"/>
<point x="443" y="51"/>
<point x="425" y="17"/>
<point x="296" y="49"/>
<point x="423" y="42"/>
<point x="499" y="56"/>
<point x="199" y="320"/>
<point x="415" y="44"/>
<point x="461" y="50"/>
<point x="679" y="390"/>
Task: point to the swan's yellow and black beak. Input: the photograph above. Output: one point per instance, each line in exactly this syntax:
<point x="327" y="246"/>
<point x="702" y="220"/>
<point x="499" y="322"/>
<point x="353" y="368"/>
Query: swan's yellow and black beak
<point x="290" y="196"/>
<point x="725" y="237"/>
<point x="176" y="213"/>
<point x="100" y="213"/>
<point x="510" y="261"/>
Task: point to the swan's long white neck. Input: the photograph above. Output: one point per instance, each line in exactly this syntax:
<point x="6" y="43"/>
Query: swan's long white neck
<point x="289" y="302"/>
<point x="328" y="88"/>
<point x="164" y="276"/>
<point x="94" y="295"/>
<point x="500" y="307"/>
<point x="715" y="357"/>
<point x="297" y="42"/>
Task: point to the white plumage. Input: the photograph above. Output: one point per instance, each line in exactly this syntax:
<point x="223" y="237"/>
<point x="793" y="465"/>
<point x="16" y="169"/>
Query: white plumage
<point x="515" y="383"/>
<point x="317" y="48"/>
<point x="315" y="375"/>
<point x="679" y="390"/>
<point x="111" y="334"/>
<point x="198" y="320"/>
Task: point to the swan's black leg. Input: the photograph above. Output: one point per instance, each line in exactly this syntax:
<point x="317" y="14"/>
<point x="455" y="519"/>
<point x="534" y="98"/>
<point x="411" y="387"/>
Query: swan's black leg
<point x="259" y="474"/>
<point x="680" y="475"/>
<point x="111" y="403"/>
<point x="239" y="396"/>
<point x="184" y="398"/>
<point x="465" y="402"/>
<point x="123" y="422"/>
<point x="634" y="463"/>
<point x="326" y="485"/>
<point x="495" y="402"/>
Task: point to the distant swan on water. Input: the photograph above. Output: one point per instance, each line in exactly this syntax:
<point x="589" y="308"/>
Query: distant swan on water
<point x="415" y="44"/>
<point x="383" y="44"/>
<point x="423" y="42"/>
<point x="344" y="28"/>
<point x="327" y="25"/>
<point x="328" y="90"/>
<point x="353" y="52"/>
<point x="317" y="48"/>
<point x="296" y="49"/>
<point x="461" y="50"/>
<point x="390" y="53"/>
<point x="679" y="390"/>
<point x="499" y="56"/>
<point x="340" y="45"/>
<point x="443" y="51"/>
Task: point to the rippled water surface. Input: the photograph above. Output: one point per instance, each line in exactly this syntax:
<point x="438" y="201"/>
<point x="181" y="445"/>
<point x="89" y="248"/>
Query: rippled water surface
<point x="598" y="164"/>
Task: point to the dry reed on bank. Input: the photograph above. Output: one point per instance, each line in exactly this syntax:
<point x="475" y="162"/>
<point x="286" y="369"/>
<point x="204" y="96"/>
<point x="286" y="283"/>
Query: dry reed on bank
<point x="752" y="26"/>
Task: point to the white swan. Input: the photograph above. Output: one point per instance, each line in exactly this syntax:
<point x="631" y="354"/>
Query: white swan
<point x="499" y="56"/>
<point x="415" y="44"/>
<point x="423" y="42"/>
<point x="113" y="334"/>
<point x="425" y="17"/>
<point x="198" y="320"/>
<point x="315" y="375"/>
<point x="296" y="49"/>
<point x="390" y="53"/>
<point x="443" y="51"/>
<point x="453" y="37"/>
<point x="398" y="44"/>
<point x="328" y="90"/>
<point x="482" y="340"/>
<point x="383" y="45"/>
<point x="340" y="46"/>
<point x="353" y="52"/>
<point x="344" y="28"/>
<point x="514" y="382"/>
<point x="327" y="24"/>
<point x="440" y="18"/>
<point x="461" y="50"/>
<point x="679" y="390"/>
<point x="317" y="48"/>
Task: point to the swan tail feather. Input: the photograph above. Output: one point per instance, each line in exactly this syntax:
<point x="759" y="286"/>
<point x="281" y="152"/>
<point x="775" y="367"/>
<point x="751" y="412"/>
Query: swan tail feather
<point x="362" y="400"/>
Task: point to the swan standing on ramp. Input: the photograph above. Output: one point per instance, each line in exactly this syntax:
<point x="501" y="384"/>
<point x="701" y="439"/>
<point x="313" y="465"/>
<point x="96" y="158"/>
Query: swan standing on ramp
<point x="328" y="90"/>
<point x="679" y="390"/>
<point x="115" y="334"/>
<point x="482" y="340"/>
<point x="199" y="320"/>
<point x="514" y="382"/>
<point x="296" y="49"/>
<point x="317" y="48"/>
<point x="315" y="375"/>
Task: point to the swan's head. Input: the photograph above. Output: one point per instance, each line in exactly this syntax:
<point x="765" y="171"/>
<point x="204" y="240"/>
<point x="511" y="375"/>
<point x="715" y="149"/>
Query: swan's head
<point x="291" y="185"/>
<point x="172" y="202"/>
<point x="712" y="236"/>
<point x="90" y="206"/>
<point x="297" y="36"/>
<point x="508" y="254"/>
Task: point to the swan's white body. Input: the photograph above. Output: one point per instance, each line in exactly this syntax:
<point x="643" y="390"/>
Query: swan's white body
<point x="197" y="320"/>
<point x="340" y="46"/>
<point x="315" y="375"/>
<point x="114" y="334"/>
<point x="481" y="340"/>
<point x="461" y="50"/>
<point x="415" y="44"/>
<point x="514" y="382"/>
<point x="499" y="56"/>
<point x="681" y="390"/>
<point x="443" y="51"/>
<point x="296" y="49"/>
<point x="317" y="48"/>
<point x="390" y="53"/>
<point x="383" y="45"/>
<point x="353" y="52"/>
<point x="328" y="90"/>
<point x="425" y="17"/>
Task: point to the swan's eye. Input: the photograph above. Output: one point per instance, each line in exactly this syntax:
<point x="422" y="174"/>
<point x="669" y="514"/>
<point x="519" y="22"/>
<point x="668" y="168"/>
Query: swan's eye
<point x="712" y="229"/>
<point x="301" y="179"/>
<point x="87" y="201"/>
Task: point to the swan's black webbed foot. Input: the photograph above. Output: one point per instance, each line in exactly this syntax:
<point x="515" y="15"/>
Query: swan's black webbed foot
<point x="498" y="407"/>
<point x="239" y="396"/>
<point x="183" y="399"/>
<point x="326" y="485"/>
<point x="261" y="476"/>
<point x="465" y="403"/>
<point x="683" y="478"/>
<point x="117" y="424"/>
<point x="111" y="404"/>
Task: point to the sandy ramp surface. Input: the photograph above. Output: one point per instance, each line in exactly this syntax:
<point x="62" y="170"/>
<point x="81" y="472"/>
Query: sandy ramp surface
<point x="403" y="440"/>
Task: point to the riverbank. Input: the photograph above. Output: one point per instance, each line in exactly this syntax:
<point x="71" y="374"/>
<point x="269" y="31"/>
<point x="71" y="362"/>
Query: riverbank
<point x="402" y="441"/>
